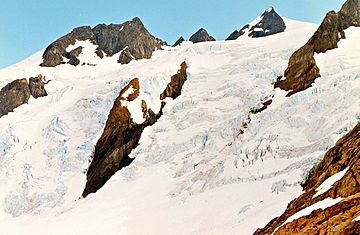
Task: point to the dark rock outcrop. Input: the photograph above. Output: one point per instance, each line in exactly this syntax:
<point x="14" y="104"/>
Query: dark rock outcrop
<point x="201" y="36"/>
<point x="36" y="86"/>
<point x="55" y="52"/>
<point x="110" y="39"/>
<point x="351" y="9"/>
<point x="179" y="41"/>
<point x="121" y="134"/>
<point x="18" y="92"/>
<point x="339" y="218"/>
<point x="236" y="34"/>
<point x="132" y="34"/>
<point x="270" y="23"/>
<point x="13" y="95"/>
<point x="125" y="56"/>
<point x="173" y="89"/>
<point x="72" y="56"/>
<point x="302" y="69"/>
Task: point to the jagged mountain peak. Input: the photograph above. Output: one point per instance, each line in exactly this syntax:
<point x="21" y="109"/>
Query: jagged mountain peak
<point x="131" y="39"/>
<point x="201" y="36"/>
<point x="268" y="23"/>
<point x="179" y="41"/>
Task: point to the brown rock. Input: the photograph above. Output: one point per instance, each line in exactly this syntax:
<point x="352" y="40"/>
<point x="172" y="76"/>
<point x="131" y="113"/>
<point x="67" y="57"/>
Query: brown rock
<point x="351" y="9"/>
<point x="302" y="69"/>
<point x="36" y="86"/>
<point x="135" y="85"/>
<point x="144" y="109"/>
<point x="13" y="95"/>
<point x="132" y="37"/>
<point x="173" y="89"/>
<point x="125" y="56"/>
<point x="72" y="56"/>
<point x="337" y="219"/>
<point x="55" y="52"/>
<point x="121" y="135"/>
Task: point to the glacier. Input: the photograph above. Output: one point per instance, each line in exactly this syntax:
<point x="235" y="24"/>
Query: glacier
<point x="208" y="166"/>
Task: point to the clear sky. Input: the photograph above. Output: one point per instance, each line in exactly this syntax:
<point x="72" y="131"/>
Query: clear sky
<point x="27" y="26"/>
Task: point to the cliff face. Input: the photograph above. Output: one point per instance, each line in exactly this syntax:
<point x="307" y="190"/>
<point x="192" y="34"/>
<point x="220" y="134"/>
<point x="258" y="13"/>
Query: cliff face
<point x="336" y="219"/>
<point x="111" y="39"/>
<point x="302" y="69"/>
<point x="121" y="134"/>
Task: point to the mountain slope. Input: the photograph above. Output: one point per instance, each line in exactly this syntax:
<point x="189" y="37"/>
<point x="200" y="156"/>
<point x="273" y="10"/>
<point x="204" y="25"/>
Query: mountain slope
<point x="211" y="165"/>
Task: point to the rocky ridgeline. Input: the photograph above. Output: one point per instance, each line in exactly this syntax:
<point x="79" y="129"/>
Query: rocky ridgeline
<point x="339" y="218"/>
<point x="121" y="134"/>
<point x="179" y="41"/>
<point x="199" y="36"/>
<point x="302" y="69"/>
<point x="130" y="38"/>
<point x="18" y="92"/>
<point x="269" y="23"/>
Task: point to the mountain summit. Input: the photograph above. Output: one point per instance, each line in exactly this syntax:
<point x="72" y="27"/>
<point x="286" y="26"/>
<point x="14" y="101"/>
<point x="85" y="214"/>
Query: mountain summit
<point x="131" y="39"/>
<point x="201" y="36"/>
<point x="266" y="24"/>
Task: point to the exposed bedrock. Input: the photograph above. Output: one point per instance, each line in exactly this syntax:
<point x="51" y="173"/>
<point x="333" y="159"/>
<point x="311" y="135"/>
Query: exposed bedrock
<point x="121" y="134"/>
<point x="18" y="92"/>
<point x="110" y="40"/>
<point x="336" y="219"/>
<point x="302" y="69"/>
<point x="201" y="36"/>
<point x="13" y="95"/>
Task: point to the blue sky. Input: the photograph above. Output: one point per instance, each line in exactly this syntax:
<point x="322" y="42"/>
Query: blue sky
<point x="27" y="26"/>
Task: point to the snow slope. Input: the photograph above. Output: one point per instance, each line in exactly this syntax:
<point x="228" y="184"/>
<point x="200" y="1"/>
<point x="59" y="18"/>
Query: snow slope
<point x="193" y="172"/>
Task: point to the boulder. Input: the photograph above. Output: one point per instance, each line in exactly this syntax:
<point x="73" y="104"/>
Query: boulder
<point x="72" y="56"/>
<point x="13" y="95"/>
<point x="125" y="56"/>
<point x="36" y="86"/>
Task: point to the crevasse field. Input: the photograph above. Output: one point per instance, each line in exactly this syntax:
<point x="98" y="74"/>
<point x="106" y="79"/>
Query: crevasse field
<point x="193" y="173"/>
